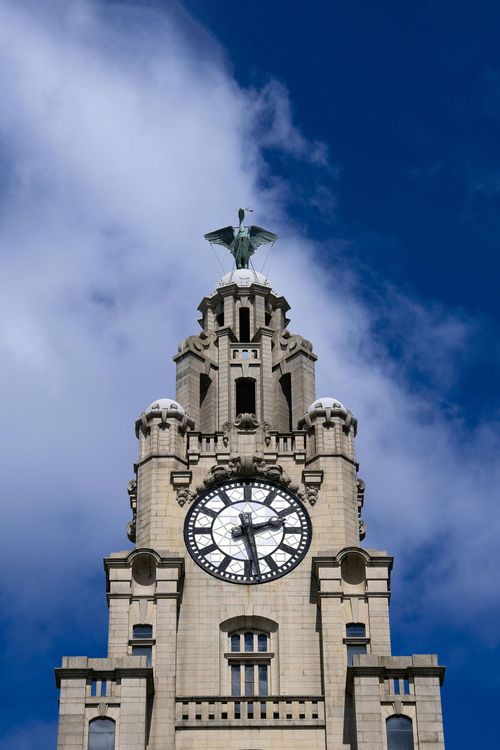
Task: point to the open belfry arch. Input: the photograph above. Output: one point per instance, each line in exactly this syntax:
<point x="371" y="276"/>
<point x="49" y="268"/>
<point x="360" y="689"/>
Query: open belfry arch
<point x="248" y="615"/>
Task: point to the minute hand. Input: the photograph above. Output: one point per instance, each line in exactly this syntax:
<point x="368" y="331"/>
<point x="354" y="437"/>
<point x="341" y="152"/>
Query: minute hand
<point x="247" y="527"/>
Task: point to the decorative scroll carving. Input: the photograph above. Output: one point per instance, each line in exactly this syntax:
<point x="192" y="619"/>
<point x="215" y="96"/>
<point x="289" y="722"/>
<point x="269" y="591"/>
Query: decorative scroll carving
<point x="292" y="341"/>
<point x="360" y="496"/>
<point x="132" y="493"/>
<point x="248" y="466"/>
<point x="197" y="343"/>
<point x="246" y="421"/>
<point x="350" y="421"/>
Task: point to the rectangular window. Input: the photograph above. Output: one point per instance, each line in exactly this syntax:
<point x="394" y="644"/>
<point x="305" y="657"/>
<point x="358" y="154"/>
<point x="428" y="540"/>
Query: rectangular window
<point x="144" y="651"/>
<point x="355" y="630"/>
<point x="354" y="649"/>
<point x="143" y="631"/>
<point x="249" y="679"/>
<point x="263" y="682"/>
<point x="248" y="641"/>
<point x="235" y="643"/>
<point x="396" y="687"/>
<point x="235" y="679"/>
<point x="262" y="642"/>
<point x="406" y="684"/>
<point x="93" y="688"/>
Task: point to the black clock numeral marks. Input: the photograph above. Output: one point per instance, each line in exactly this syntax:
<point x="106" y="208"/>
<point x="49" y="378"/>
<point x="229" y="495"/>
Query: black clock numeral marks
<point x="210" y="548"/>
<point x="201" y="530"/>
<point x="248" y="568"/>
<point x="223" y="565"/>
<point x="286" y="548"/>
<point x="292" y="529"/>
<point x="286" y="512"/>
<point x="224" y="497"/>
<point x="271" y="562"/>
<point x="209" y="512"/>
<point x="269" y="499"/>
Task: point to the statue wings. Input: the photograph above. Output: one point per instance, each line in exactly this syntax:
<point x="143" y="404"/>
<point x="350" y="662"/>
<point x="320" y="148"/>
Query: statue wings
<point x="259" y="236"/>
<point x="227" y="235"/>
<point x="224" y="236"/>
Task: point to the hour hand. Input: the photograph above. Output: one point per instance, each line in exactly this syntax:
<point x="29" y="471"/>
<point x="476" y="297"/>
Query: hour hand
<point x="274" y="523"/>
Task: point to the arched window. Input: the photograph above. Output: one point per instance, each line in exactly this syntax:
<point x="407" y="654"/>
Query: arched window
<point x="399" y="733"/>
<point x="245" y="396"/>
<point x="250" y="663"/>
<point x="102" y="734"/>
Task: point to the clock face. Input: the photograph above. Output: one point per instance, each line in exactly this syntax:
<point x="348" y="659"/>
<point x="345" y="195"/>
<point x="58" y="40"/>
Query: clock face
<point x="247" y="532"/>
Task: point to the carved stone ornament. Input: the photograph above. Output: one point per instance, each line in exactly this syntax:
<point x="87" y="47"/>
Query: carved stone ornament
<point x="397" y="706"/>
<point x="246" y="421"/>
<point x="197" y="343"/>
<point x="248" y="466"/>
<point x="309" y="494"/>
<point x="292" y="341"/>
<point x="226" y="429"/>
<point x="360" y="496"/>
<point x="184" y="495"/>
<point x="132" y="493"/>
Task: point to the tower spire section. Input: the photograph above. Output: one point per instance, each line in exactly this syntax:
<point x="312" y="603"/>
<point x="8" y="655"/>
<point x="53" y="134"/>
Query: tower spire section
<point x="241" y="241"/>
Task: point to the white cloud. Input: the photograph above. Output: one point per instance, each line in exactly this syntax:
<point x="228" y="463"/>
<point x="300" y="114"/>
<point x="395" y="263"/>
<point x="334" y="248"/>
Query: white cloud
<point x="122" y="141"/>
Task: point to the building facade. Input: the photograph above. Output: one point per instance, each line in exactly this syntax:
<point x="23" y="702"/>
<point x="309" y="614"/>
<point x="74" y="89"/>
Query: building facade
<point x="248" y="615"/>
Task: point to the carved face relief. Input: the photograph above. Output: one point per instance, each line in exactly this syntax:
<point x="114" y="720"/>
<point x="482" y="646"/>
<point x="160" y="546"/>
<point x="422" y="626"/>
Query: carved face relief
<point x="247" y="531"/>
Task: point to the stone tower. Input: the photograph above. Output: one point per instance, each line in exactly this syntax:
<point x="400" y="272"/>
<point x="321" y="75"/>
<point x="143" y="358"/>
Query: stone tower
<point x="247" y="614"/>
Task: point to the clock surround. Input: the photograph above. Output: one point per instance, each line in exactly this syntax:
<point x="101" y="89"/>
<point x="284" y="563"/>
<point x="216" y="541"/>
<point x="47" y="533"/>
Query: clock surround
<point x="247" y="531"/>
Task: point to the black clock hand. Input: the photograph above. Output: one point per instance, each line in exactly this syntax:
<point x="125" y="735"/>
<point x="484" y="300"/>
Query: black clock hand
<point x="247" y="527"/>
<point x="273" y="522"/>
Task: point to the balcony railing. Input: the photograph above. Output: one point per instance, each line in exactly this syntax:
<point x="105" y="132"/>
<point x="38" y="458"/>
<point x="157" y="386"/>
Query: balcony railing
<point x="276" y="710"/>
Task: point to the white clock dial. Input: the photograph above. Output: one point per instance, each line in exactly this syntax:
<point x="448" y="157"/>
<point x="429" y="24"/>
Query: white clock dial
<point x="247" y="532"/>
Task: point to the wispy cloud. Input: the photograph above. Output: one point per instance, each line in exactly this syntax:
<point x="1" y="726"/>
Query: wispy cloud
<point x="122" y="141"/>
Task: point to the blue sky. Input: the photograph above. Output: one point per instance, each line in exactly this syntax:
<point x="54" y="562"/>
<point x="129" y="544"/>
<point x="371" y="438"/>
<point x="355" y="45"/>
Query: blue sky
<point x="366" y="135"/>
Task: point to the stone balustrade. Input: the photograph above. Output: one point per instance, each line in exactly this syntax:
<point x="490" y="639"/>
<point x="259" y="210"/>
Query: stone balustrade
<point x="305" y="711"/>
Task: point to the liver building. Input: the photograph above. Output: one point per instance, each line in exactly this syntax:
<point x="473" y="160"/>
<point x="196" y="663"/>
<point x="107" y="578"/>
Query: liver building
<point x="248" y="615"/>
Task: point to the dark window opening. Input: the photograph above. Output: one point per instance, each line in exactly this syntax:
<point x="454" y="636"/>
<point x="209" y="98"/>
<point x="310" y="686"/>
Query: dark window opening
<point x="102" y="734"/>
<point x="355" y="630"/>
<point x="205" y="384"/>
<point x="146" y="651"/>
<point x="245" y="396"/>
<point x="399" y="733"/>
<point x="354" y="649"/>
<point x="142" y="631"/>
<point x="244" y="324"/>
<point x="268" y="319"/>
<point x="286" y="387"/>
<point x="220" y="319"/>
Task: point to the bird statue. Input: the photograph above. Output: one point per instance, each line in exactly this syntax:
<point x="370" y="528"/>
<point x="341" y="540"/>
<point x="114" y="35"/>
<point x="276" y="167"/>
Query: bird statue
<point x="241" y="241"/>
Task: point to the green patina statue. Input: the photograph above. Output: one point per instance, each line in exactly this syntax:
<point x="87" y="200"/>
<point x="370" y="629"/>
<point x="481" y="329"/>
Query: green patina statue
<point x="241" y="241"/>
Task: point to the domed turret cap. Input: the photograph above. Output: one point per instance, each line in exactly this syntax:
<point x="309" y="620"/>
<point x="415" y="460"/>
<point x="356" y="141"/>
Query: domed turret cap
<point x="243" y="277"/>
<point x="164" y="408"/>
<point x="167" y="404"/>
<point x="328" y="407"/>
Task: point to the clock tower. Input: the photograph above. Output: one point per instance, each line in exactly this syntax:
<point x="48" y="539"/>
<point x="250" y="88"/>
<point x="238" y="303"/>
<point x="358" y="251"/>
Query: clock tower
<point x="248" y="614"/>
